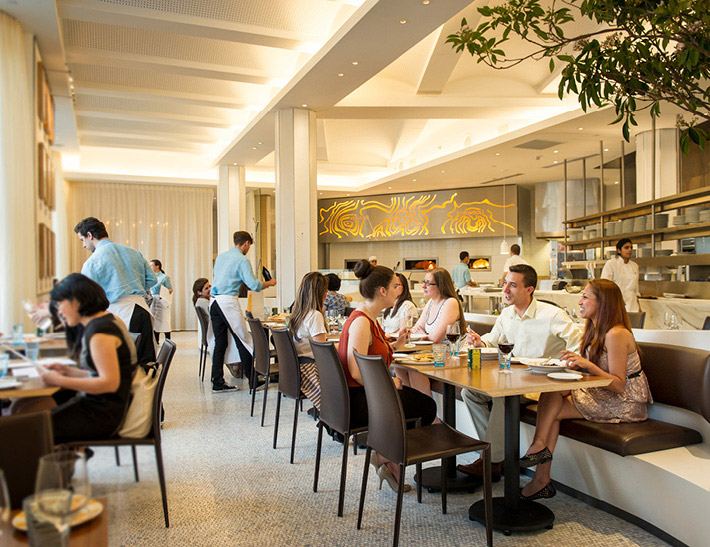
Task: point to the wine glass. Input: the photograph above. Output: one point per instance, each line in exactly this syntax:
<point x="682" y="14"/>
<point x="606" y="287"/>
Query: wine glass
<point x="506" y="348"/>
<point x="4" y="502"/>
<point x="409" y="323"/>
<point x="62" y="489"/>
<point x="453" y="333"/>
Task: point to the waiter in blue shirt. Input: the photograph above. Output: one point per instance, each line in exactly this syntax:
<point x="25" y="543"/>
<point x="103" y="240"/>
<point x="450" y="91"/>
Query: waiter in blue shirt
<point x="231" y="269"/>
<point x="125" y="276"/>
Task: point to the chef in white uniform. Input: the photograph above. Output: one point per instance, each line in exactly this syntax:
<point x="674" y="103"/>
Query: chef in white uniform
<point x="625" y="273"/>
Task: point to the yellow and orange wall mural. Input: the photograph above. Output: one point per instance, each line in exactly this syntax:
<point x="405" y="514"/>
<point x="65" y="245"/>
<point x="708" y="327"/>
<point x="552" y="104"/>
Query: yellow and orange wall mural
<point x="472" y="212"/>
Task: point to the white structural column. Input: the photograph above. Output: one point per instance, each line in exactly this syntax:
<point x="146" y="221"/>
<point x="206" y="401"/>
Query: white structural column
<point x="666" y="167"/>
<point x="296" y="200"/>
<point x="231" y="205"/>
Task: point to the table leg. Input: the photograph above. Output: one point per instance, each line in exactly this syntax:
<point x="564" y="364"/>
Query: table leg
<point x="510" y="514"/>
<point x="431" y="476"/>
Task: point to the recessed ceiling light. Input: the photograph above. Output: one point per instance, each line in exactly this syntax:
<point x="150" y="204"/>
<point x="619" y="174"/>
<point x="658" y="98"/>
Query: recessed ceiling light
<point x="253" y="147"/>
<point x="389" y="188"/>
<point x="554" y="161"/>
<point x="259" y="142"/>
<point x="71" y="79"/>
<point x="402" y="21"/>
<point x="580" y="128"/>
<point x="556" y="151"/>
<point x="234" y="164"/>
<point x="414" y="180"/>
<point x="606" y="150"/>
<point x="304" y="105"/>
<point x="347" y="194"/>
<point x="497" y="153"/>
<point x="321" y="193"/>
<point x="355" y="62"/>
<point x="443" y="171"/>
<point x="341" y="74"/>
<point x="616" y="182"/>
<point x="425" y="2"/>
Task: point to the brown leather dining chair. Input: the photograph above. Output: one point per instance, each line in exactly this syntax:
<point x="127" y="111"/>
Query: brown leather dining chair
<point x="262" y="362"/>
<point x="289" y="380"/>
<point x="165" y="357"/>
<point x="388" y="436"/>
<point x="24" y="438"/>
<point x="334" y="408"/>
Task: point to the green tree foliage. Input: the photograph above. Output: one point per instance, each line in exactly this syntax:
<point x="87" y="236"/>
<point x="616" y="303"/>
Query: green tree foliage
<point x="640" y="50"/>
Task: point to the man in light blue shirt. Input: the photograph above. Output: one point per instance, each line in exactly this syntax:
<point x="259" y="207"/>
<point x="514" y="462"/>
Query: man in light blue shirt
<point x="460" y="274"/>
<point x="125" y="277"/>
<point x="231" y="270"/>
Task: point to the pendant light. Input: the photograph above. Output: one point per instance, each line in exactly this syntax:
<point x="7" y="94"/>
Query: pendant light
<point x="504" y="249"/>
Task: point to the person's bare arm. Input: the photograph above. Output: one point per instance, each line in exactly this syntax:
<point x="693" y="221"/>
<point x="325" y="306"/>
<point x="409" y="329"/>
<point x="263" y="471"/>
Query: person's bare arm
<point x="449" y="315"/>
<point x="359" y="339"/>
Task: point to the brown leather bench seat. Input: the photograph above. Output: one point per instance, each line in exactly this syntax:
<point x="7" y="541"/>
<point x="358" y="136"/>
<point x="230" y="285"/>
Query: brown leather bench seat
<point x="679" y="377"/>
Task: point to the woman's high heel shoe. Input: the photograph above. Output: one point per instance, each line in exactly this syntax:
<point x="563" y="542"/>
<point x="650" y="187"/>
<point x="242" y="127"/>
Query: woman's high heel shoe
<point x="386" y="475"/>
<point x="373" y="460"/>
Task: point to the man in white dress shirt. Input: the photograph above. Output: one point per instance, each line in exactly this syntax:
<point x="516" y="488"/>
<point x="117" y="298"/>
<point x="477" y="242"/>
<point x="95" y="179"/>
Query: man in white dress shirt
<point x="512" y="261"/>
<point x="537" y="329"/>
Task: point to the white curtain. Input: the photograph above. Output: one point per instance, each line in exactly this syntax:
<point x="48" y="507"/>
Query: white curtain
<point x="18" y="273"/>
<point x="170" y="223"/>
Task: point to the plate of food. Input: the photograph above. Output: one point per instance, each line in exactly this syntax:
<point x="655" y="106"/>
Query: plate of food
<point x="542" y="365"/>
<point x="418" y="359"/>
<point x="92" y="510"/>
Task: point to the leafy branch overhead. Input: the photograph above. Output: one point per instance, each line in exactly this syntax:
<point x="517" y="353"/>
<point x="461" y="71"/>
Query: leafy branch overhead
<point x="639" y="50"/>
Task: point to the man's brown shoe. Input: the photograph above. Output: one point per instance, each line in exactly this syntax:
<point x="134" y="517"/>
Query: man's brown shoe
<point x="475" y="469"/>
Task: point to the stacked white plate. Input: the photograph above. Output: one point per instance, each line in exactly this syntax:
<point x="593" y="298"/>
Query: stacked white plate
<point x="644" y="252"/>
<point x="692" y="214"/>
<point x="639" y="224"/>
<point x="679" y="220"/>
<point x="662" y="220"/>
<point x="704" y="215"/>
<point x="627" y="226"/>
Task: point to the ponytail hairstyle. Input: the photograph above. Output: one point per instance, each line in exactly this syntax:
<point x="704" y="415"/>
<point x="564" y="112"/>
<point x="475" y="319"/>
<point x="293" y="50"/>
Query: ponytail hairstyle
<point x="372" y="278"/>
<point x="197" y="287"/>
<point x="158" y="264"/>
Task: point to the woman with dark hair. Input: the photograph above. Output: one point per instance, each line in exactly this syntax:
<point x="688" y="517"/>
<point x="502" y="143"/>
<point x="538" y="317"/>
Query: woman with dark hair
<point x="307" y="323"/>
<point x="625" y="273"/>
<point x="334" y="300"/>
<point x="362" y="333"/>
<point x="201" y="292"/>
<point x="395" y="318"/>
<point x="160" y="307"/>
<point x="100" y="390"/>
<point x="609" y="350"/>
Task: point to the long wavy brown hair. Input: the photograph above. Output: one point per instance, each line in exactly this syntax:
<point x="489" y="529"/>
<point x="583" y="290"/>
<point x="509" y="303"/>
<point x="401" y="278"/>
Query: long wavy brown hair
<point x="610" y="313"/>
<point x="406" y="295"/>
<point x="310" y="296"/>
<point x="446" y="287"/>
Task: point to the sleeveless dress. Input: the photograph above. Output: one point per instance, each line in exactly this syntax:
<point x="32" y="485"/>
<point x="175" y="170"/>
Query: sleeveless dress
<point x="598" y="404"/>
<point x="431" y="327"/>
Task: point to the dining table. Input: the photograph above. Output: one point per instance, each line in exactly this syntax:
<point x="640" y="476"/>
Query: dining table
<point x="510" y="513"/>
<point x="91" y="534"/>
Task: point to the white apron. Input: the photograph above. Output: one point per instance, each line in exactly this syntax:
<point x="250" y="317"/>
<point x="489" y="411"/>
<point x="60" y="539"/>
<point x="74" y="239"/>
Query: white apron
<point x="160" y="308"/>
<point x="123" y="307"/>
<point x="233" y="313"/>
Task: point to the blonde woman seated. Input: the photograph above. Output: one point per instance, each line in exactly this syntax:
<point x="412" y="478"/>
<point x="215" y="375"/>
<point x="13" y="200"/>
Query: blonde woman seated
<point x="307" y="323"/>
<point x="404" y="310"/>
<point x="609" y="350"/>
<point x="442" y="310"/>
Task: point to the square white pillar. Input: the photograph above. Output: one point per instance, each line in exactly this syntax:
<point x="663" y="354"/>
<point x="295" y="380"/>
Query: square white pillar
<point x="231" y="205"/>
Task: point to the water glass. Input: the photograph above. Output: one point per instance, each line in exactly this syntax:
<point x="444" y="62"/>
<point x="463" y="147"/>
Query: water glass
<point x="439" y="351"/>
<point x="32" y="349"/>
<point x="17" y="334"/>
<point x="4" y="365"/>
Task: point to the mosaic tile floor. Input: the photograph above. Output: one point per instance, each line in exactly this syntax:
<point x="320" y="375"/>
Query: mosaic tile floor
<point x="226" y="486"/>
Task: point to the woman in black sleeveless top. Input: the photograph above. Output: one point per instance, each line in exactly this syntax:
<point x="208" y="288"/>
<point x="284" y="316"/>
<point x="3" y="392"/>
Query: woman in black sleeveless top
<point x="108" y="363"/>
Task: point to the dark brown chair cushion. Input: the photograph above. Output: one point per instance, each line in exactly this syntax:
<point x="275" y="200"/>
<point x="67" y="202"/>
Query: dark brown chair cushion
<point x="624" y="439"/>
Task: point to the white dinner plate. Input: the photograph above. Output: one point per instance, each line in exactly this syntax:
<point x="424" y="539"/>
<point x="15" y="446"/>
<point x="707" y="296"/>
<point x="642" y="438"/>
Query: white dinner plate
<point x="423" y="342"/>
<point x="565" y="376"/>
<point x="418" y="335"/>
<point x="9" y="383"/>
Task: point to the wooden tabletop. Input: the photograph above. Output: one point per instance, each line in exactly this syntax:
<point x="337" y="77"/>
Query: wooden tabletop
<point x="30" y="387"/>
<point x="91" y="534"/>
<point x="489" y="381"/>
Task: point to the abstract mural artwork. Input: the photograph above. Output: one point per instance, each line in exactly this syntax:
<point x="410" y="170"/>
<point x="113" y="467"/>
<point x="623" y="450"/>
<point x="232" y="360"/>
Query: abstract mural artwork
<point x="418" y="216"/>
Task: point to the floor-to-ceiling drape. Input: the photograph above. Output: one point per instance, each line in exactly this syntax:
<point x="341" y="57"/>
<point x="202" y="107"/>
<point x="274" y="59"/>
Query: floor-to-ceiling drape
<point x="170" y="223"/>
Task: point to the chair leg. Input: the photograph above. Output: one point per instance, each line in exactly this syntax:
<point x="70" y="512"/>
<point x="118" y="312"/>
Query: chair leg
<point x="295" y="424"/>
<point x="118" y="457"/>
<point x="199" y="367"/>
<point x="443" y="487"/>
<point x="318" y="450"/>
<point x="398" y="511"/>
<point x="343" y="475"/>
<point x="204" y="365"/>
<point x="135" y="462"/>
<point x="276" y="421"/>
<point x="252" y="380"/>
<point x="363" y="487"/>
<point x="419" y="482"/>
<point x="253" y="397"/>
<point x="263" y="406"/>
<point x="488" y="495"/>
<point x="161" y="479"/>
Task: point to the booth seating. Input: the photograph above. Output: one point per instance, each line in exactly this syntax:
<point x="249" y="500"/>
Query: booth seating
<point x="653" y="473"/>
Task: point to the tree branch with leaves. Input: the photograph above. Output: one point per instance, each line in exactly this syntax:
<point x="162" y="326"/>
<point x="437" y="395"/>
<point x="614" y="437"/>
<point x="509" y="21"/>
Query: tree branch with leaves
<point x="641" y="53"/>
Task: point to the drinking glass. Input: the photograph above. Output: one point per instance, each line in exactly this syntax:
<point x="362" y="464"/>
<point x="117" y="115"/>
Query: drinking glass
<point x="32" y="349"/>
<point x="409" y="323"/>
<point x="506" y="348"/>
<point x="62" y="489"/>
<point x="439" y="351"/>
<point x="675" y="322"/>
<point x="4" y="364"/>
<point x="4" y="502"/>
<point x="17" y="334"/>
<point x="667" y="320"/>
<point x="453" y="333"/>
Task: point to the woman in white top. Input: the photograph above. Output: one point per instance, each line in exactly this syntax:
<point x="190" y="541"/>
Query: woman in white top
<point x="625" y="273"/>
<point x="307" y="323"/>
<point x="395" y="318"/>
<point x="443" y="309"/>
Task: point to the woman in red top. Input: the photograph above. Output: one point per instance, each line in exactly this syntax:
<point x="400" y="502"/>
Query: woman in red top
<point x="362" y="333"/>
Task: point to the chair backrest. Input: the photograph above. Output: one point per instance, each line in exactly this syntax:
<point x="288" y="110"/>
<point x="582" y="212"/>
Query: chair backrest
<point x="25" y="438"/>
<point x="637" y="319"/>
<point x="165" y="357"/>
<point x="480" y="328"/>
<point x="386" y="430"/>
<point x="136" y="336"/>
<point x="349" y="310"/>
<point x="678" y="376"/>
<point x="289" y="371"/>
<point x="706" y="324"/>
<point x="262" y="357"/>
<point x="249" y="315"/>
<point x="334" y="394"/>
<point x="204" y="320"/>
